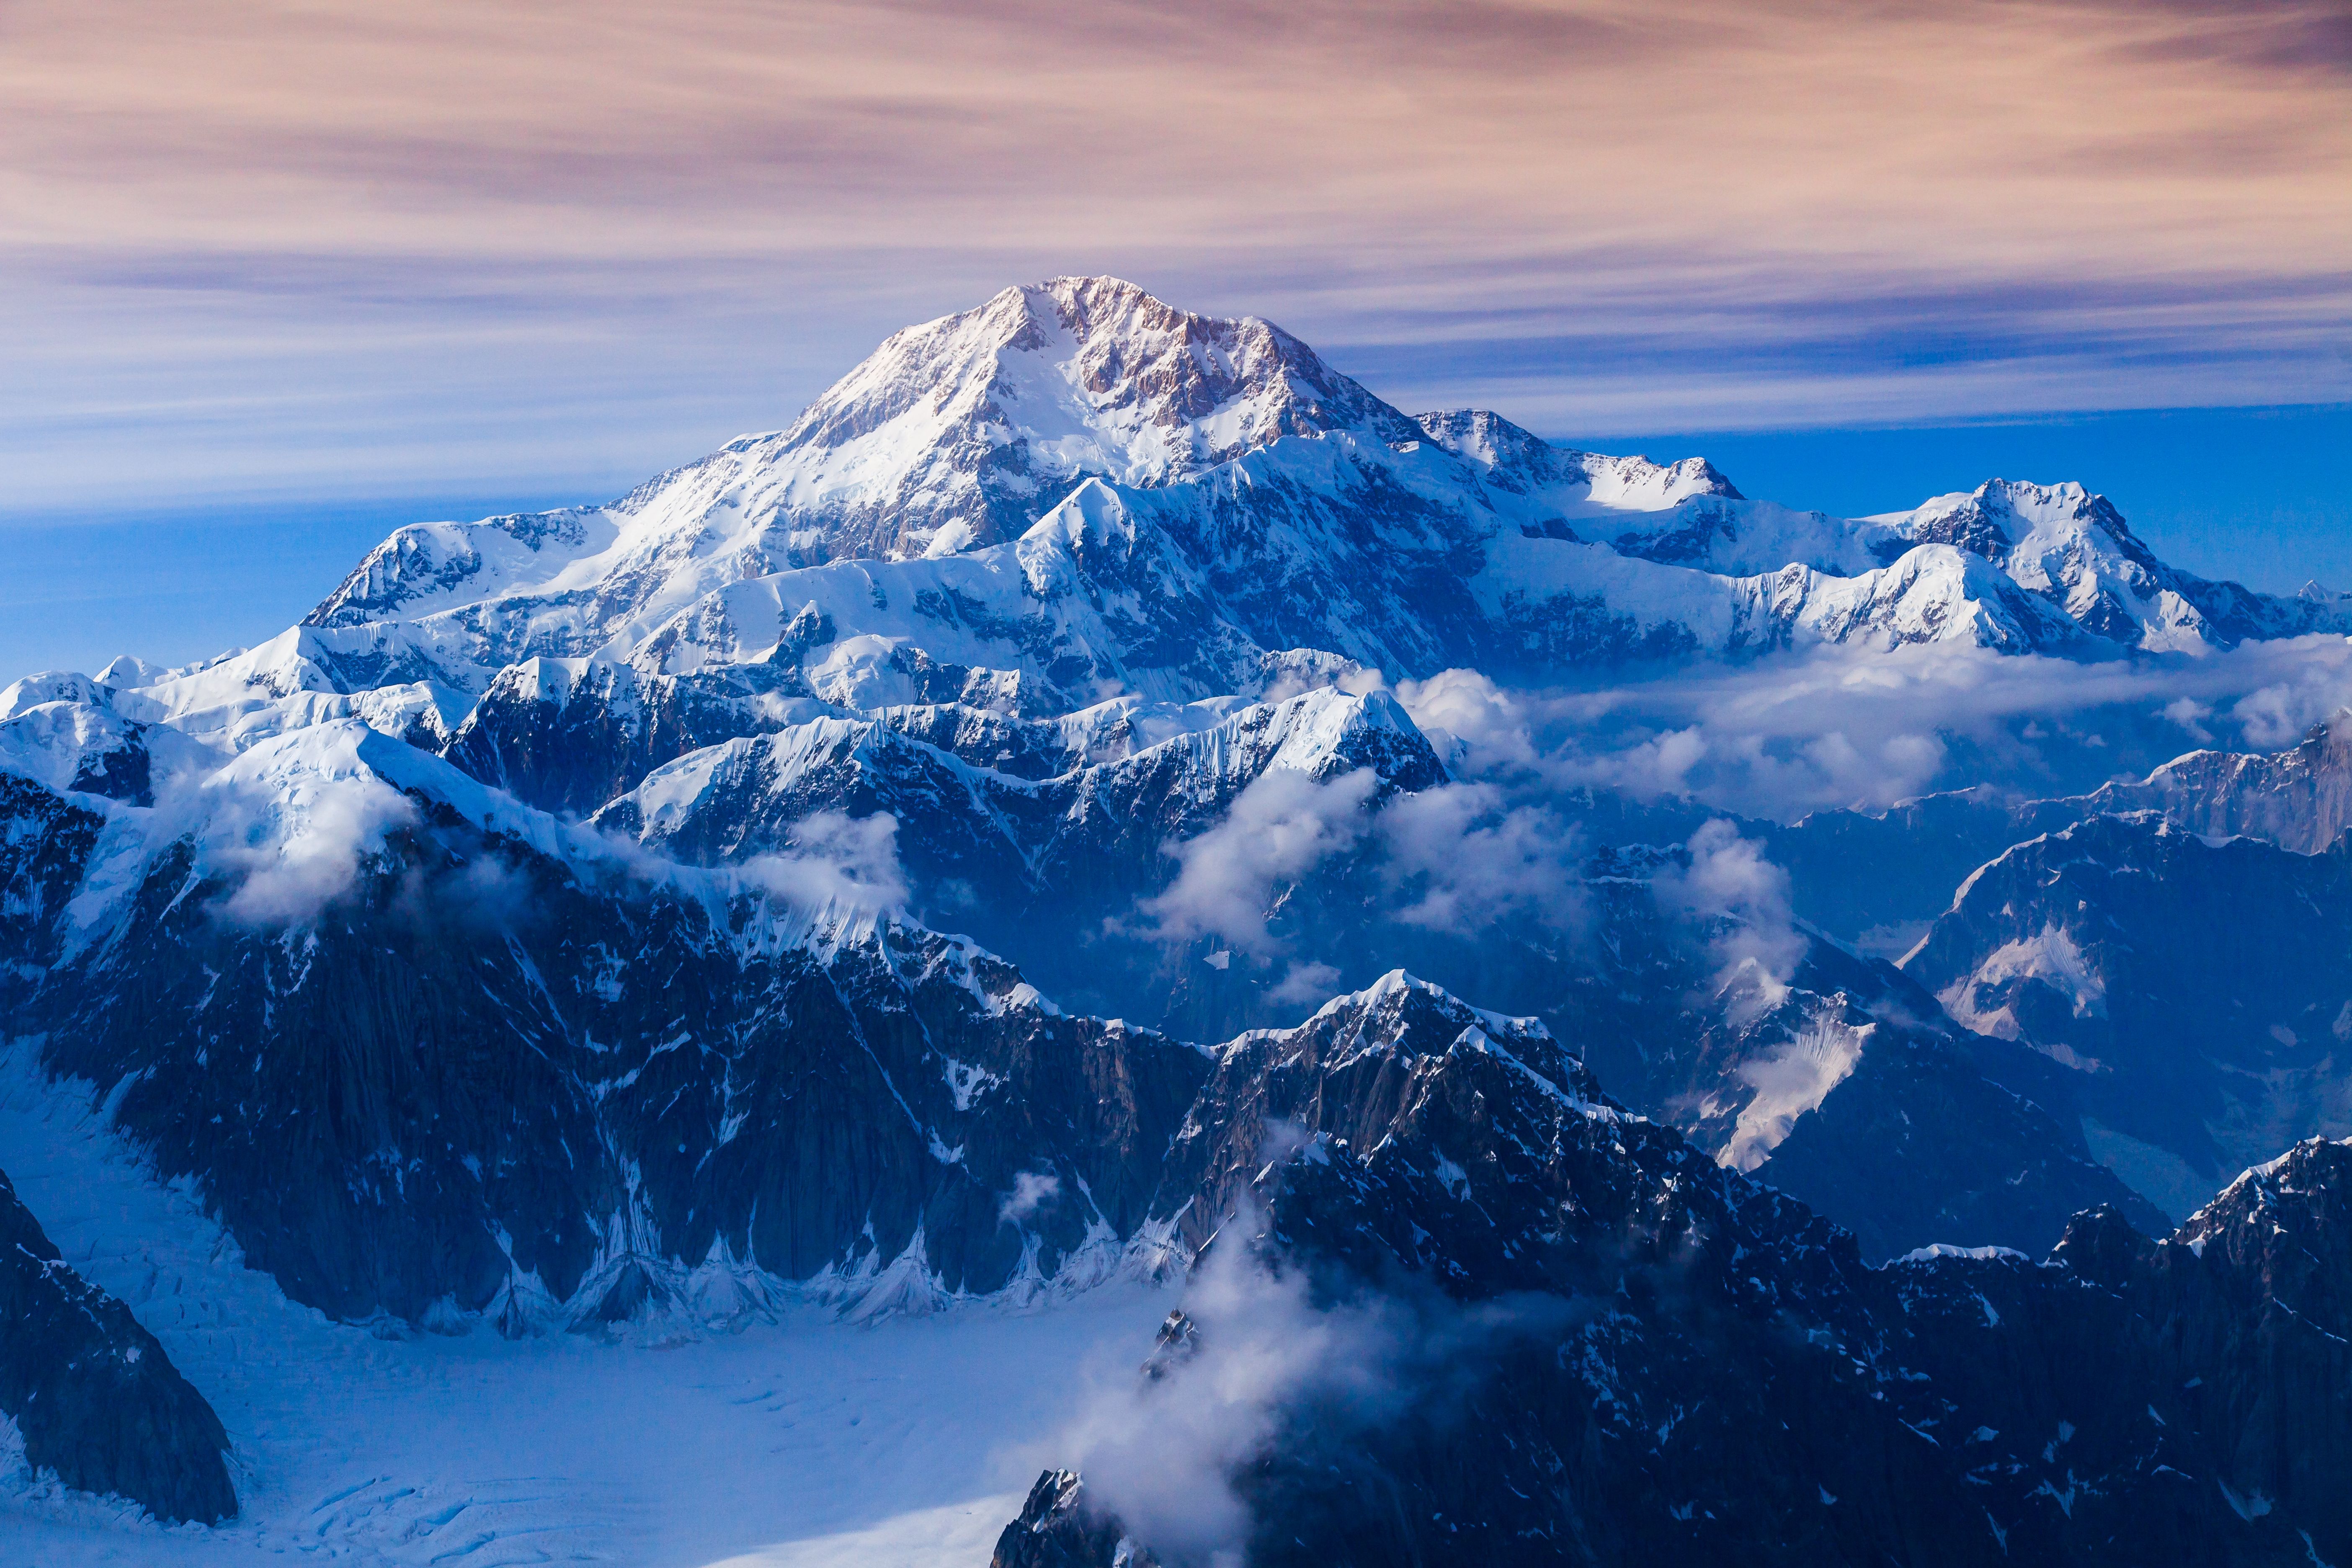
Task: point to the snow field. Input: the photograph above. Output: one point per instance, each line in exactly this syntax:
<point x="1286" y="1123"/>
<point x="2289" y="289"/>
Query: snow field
<point x="805" y="1442"/>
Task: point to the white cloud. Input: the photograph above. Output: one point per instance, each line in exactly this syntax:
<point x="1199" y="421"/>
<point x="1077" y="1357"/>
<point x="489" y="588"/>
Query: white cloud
<point x="289" y="856"/>
<point x="1729" y="885"/>
<point x="2277" y="714"/>
<point x="1278" y="829"/>
<point x="1484" y="726"/>
<point x="1032" y="1190"/>
<point x="1847" y="727"/>
<point x="1457" y="856"/>
<point x="1305" y="981"/>
<point x="2190" y="715"/>
<point x="1162" y="1453"/>
<point x="849" y="862"/>
<point x="1473" y="859"/>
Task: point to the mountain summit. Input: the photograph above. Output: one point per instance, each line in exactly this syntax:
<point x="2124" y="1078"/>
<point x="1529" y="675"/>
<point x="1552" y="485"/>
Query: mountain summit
<point x="965" y="430"/>
<point x="955" y="434"/>
<point x="915" y="515"/>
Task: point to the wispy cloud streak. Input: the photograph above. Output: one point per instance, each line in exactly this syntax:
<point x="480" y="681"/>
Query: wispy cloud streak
<point x="1688" y="213"/>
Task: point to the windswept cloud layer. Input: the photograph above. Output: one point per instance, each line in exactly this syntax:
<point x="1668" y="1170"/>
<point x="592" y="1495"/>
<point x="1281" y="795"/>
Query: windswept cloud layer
<point x="288" y="242"/>
<point x="1842" y="727"/>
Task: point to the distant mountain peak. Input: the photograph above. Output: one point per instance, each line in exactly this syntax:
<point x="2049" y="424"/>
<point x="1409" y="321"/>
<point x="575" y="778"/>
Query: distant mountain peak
<point x="964" y="430"/>
<point x="1175" y="494"/>
<point x="1521" y="460"/>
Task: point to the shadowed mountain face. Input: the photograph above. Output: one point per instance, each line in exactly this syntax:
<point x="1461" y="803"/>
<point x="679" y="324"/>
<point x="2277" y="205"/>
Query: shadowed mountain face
<point x="92" y="1394"/>
<point x="2194" y="987"/>
<point x="887" y="863"/>
<point x="542" y="1090"/>
<point x="1648" y="1358"/>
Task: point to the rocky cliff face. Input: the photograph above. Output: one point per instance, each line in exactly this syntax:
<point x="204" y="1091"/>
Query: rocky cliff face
<point x="2299" y="799"/>
<point x="46" y="843"/>
<point x="485" y="1074"/>
<point x="1671" y="1363"/>
<point x="1049" y="871"/>
<point x="92" y="1394"/>
<point x="2191" y="985"/>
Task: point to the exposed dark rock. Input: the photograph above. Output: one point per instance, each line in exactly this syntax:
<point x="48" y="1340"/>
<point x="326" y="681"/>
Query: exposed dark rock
<point x="2195" y="987"/>
<point x="1057" y="1528"/>
<point x="124" y="774"/>
<point x="568" y="740"/>
<point x="1050" y="872"/>
<point x="2300" y="798"/>
<point x="480" y="1074"/>
<point x="1731" y="1382"/>
<point x="94" y="1395"/>
<point x="45" y="844"/>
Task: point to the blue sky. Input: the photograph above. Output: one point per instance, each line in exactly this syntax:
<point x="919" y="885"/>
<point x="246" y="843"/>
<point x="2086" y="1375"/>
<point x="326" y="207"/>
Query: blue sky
<point x="279" y="277"/>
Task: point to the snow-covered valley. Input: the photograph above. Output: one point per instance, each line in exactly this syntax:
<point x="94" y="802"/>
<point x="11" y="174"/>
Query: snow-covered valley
<point x="801" y="1442"/>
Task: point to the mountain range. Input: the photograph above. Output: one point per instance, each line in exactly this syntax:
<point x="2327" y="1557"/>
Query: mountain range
<point x="996" y="840"/>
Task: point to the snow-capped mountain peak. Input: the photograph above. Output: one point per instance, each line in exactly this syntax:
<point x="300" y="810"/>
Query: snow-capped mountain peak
<point x="2071" y="547"/>
<point x="982" y="420"/>
<point x="2000" y="516"/>
<point x="1574" y="484"/>
<point x="959" y="433"/>
<point x="965" y="430"/>
<point x="48" y="686"/>
<point x="1075" y="492"/>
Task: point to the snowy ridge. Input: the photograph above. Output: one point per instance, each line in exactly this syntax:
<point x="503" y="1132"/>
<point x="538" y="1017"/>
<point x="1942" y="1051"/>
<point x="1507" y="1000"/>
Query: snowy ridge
<point x="956" y="433"/>
<point x="1074" y="492"/>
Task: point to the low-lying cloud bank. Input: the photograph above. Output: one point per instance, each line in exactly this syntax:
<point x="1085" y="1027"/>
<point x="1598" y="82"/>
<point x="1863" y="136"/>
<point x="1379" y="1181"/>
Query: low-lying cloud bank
<point x="1162" y="1450"/>
<point x="1452" y="857"/>
<point x="1850" y="727"/>
<point x="1544" y="779"/>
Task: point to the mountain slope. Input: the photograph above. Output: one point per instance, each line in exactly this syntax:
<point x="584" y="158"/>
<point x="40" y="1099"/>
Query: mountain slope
<point x="2194" y="986"/>
<point x="720" y="1080"/>
<point x="1210" y="490"/>
<point x="92" y="1394"/>
<point x="960" y="432"/>
<point x="1617" y="1320"/>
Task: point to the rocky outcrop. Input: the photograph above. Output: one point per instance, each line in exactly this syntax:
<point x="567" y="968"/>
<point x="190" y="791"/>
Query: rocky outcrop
<point x="486" y="1072"/>
<point x="93" y="1394"/>
<point x="1052" y="872"/>
<point x="2192" y="986"/>
<point x="569" y="735"/>
<point x="46" y="842"/>
<point x="1856" y="871"/>
<point x="2300" y="798"/>
<point x="1601" y="1347"/>
<point x="1849" y="1096"/>
<point x="1058" y="1529"/>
